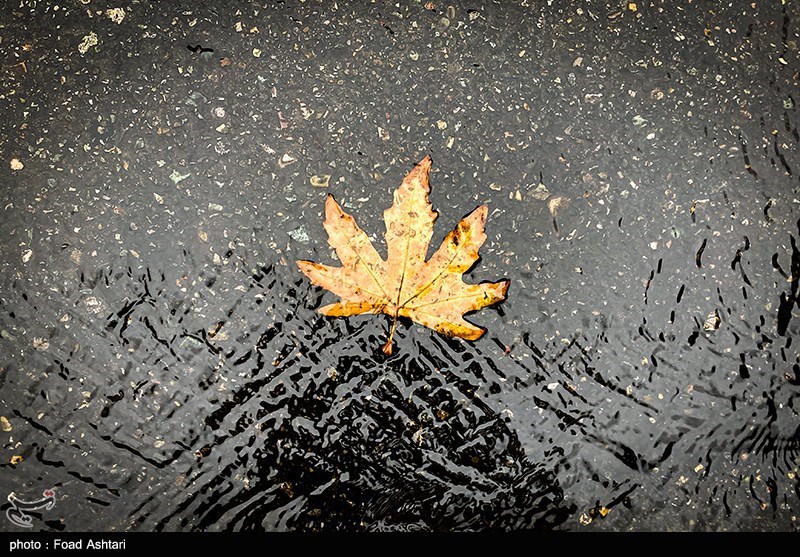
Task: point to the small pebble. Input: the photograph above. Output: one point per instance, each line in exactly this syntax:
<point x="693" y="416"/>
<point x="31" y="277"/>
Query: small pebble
<point x="300" y="234"/>
<point x="116" y="15"/>
<point x="40" y="344"/>
<point x="88" y="42"/>
<point x="320" y="181"/>
<point x="541" y="192"/>
<point x="286" y="160"/>
<point x="177" y="177"/>
<point x="93" y="304"/>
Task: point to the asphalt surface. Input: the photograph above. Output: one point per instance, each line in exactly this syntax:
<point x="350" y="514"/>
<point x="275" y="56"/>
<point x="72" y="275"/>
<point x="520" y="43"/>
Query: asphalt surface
<point x="162" y="364"/>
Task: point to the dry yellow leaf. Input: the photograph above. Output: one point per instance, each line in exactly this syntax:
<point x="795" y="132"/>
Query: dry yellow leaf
<point x="430" y="292"/>
<point x="16" y="459"/>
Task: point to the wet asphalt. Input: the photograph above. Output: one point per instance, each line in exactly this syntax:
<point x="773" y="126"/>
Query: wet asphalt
<point x="163" y="165"/>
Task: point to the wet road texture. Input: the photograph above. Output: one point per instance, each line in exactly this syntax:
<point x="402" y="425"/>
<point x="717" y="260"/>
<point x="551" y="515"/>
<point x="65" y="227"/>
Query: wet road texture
<point x="162" y="364"/>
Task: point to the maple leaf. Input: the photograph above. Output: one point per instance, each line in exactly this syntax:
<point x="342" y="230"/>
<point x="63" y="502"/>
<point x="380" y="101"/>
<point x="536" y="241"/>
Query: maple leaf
<point x="430" y="292"/>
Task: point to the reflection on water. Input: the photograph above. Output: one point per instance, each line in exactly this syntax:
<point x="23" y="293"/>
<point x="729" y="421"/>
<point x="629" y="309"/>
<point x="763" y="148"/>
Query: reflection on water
<point x="288" y="420"/>
<point x="226" y="402"/>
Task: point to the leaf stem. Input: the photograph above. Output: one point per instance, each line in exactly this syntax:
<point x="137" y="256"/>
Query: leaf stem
<point x="387" y="348"/>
